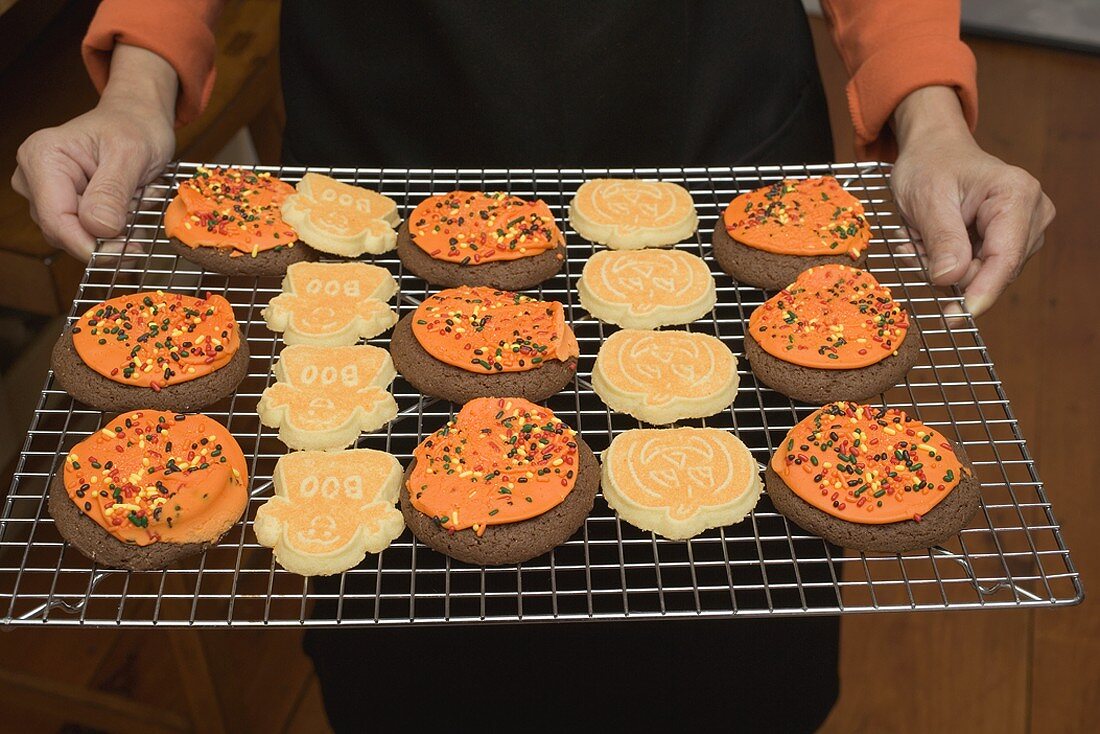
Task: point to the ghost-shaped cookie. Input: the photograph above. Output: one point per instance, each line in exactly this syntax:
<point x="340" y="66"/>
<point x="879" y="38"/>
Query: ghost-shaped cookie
<point x="332" y="304"/>
<point x="325" y="397"/>
<point x="330" y="509"/>
<point x="341" y="219"/>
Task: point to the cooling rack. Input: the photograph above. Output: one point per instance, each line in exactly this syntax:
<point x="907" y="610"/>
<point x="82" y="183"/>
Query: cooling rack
<point x="1011" y="555"/>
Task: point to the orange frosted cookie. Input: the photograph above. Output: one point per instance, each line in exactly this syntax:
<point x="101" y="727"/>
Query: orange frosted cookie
<point x="468" y="342"/>
<point x="768" y="236"/>
<point x="150" y="488"/>
<point x="475" y="238"/>
<point x="152" y="349"/>
<point x="872" y="479"/>
<point x="661" y="377"/>
<point x="330" y="509"/>
<point x="628" y="214"/>
<point x="835" y="333"/>
<point x="485" y="330"/>
<point x="831" y="317"/>
<point x="230" y="220"/>
<point x="678" y="482"/>
<point x="503" y="482"/>
<point x="341" y="219"/>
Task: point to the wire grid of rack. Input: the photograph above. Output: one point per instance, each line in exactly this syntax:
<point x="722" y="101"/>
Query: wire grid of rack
<point x="1011" y="555"/>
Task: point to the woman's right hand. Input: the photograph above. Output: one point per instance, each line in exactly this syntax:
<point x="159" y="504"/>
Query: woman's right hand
<point x="79" y="177"/>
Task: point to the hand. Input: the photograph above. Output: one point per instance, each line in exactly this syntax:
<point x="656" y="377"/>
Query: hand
<point x="947" y="187"/>
<point x="79" y="177"/>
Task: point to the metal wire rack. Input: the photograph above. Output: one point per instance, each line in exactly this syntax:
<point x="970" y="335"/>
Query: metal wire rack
<point x="1012" y="555"/>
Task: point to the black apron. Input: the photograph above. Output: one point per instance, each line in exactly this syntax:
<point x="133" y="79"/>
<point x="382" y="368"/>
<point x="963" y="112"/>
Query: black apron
<point x="422" y="83"/>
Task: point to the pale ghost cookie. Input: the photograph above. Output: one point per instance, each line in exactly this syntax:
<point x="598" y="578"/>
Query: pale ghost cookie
<point x="331" y="509"/>
<point x="678" y="482"/>
<point x="332" y="304"/>
<point x="341" y="219"/>
<point x="661" y="377"/>
<point x="326" y="396"/>
<point x="627" y="214"/>
<point x="646" y="289"/>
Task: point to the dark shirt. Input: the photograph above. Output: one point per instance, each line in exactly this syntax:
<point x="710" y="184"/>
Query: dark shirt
<point x="424" y="83"/>
<point x="524" y="83"/>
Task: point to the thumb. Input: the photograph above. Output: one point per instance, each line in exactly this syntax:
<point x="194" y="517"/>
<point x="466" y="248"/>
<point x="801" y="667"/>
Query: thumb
<point x="946" y="240"/>
<point x="106" y="200"/>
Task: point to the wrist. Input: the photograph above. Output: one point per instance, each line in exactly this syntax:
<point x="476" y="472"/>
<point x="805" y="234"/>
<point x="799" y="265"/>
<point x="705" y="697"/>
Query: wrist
<point x="141" y="82"/>
<point x="930" y="113"/>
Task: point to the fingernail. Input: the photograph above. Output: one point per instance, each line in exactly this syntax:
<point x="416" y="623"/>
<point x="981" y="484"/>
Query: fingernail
<point x="944" y="265"/>
<point x="108" y="217"/>
<point x="977" y="305"/>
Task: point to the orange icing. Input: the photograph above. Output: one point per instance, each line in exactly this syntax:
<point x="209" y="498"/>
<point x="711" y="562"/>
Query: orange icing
<point x="813" y="216"/>
<point x="150" y="476"/>
<point x="867" y="465"/>
<point x="485" y="330"/>
<point x="234" y="208"/>
<point x="831" y="317"/>
<point x="501" y="460"/>
<point x="471" y="227"/>
<point x="156" y="339"/>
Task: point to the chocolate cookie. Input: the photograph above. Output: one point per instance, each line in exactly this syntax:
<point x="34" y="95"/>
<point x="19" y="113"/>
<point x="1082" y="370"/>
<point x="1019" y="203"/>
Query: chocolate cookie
<point x="509" y="275"/>
<point x="769" y="270"/>
<point x="90" y="539"/>
<point x="93" y="389"/>
<point x="512" y="542"/>
<point x="820" y="386"/>
<point x="439" y="379"/>
<point x="939" y="524"/>
<point x="268" y="262"/>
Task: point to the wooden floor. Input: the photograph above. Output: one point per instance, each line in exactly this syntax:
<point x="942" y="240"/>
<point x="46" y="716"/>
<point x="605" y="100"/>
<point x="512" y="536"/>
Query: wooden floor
<point x="1007" y="671"/>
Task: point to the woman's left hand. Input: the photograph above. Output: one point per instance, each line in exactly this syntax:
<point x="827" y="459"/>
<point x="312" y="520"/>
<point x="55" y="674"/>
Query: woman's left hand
<point x="977" y="218"/>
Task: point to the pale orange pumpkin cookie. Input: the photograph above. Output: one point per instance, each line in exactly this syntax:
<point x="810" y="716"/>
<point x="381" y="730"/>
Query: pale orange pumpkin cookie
<point x="646" y="289"/>
<point x="679" y="482"/>
<point x="661" y="377"/>
<point x="629" y="214"/>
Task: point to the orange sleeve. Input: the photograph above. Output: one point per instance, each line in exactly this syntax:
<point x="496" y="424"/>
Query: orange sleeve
<point x="892" y="48"/>
<point x="179" y="31"/>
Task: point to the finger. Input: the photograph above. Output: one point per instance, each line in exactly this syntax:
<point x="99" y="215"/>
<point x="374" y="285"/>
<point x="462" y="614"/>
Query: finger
<point x="1003" y="253"/>
<point x="971" y="270"/>
<point x="19" y="183"/>
<point x="910" y="254"/>
<point x="51" y="188"/>
<point x="1036" y="244"/>
<point x="106" y="201"/>
<point x="128" y="252"/>
<point x="1040" y="220"/>
<point x="945" y="239"/>
<point x="954" y="311"/>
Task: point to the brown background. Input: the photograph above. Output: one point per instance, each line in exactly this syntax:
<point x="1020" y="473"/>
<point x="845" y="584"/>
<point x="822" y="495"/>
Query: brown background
<point x="997" y="671"/>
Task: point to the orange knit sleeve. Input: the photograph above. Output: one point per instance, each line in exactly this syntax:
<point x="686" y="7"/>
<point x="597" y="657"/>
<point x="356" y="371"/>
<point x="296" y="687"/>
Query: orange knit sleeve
<point x="179" y="31"/>
<point x="892" y="48"/>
